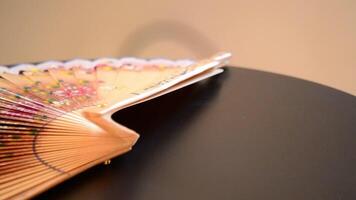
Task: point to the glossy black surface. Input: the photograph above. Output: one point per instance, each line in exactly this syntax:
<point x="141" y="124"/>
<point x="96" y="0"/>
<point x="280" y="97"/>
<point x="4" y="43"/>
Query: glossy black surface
<point x="243" y="134"/>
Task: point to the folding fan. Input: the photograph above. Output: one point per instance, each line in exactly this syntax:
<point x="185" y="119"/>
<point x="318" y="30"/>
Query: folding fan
<point x="55" y="117"/>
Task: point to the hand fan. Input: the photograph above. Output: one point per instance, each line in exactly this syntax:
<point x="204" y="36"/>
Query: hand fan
<point x="55" y="117"/>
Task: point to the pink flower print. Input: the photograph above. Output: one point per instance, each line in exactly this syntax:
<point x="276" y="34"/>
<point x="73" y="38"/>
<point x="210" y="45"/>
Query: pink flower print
<point x="85" y="91"/>
<point x="65" y="92"/>
<point x="74" y="91"/>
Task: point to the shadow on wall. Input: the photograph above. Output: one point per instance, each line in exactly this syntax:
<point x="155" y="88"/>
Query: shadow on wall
<point x="183" y="34"/>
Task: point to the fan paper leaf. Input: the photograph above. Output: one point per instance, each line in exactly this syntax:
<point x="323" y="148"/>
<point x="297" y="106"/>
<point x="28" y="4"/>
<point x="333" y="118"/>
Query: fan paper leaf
<point x="55" y="118"/>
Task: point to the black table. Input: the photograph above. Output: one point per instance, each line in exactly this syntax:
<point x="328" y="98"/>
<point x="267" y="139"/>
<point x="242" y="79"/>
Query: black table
<point x="243" y="134"/>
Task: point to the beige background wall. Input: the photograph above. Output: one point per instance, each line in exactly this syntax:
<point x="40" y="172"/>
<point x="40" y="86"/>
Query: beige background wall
<point x="314" y="40"/>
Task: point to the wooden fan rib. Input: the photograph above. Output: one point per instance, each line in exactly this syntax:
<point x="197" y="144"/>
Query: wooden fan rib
<point x="7" y="154"/>
<point x="36" y="188"/>
<point x="68" y="165"/>
<point x="56" y="162"/>
<point x="74" y="169"/>
<point x="39" y="115"/>
<point x="13" y="148"/>
<point x="24" y="162"/>
<point x="40" y="105"/>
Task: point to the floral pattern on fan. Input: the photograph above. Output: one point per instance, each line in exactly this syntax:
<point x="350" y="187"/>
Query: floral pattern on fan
<point x="75" y="91"/>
